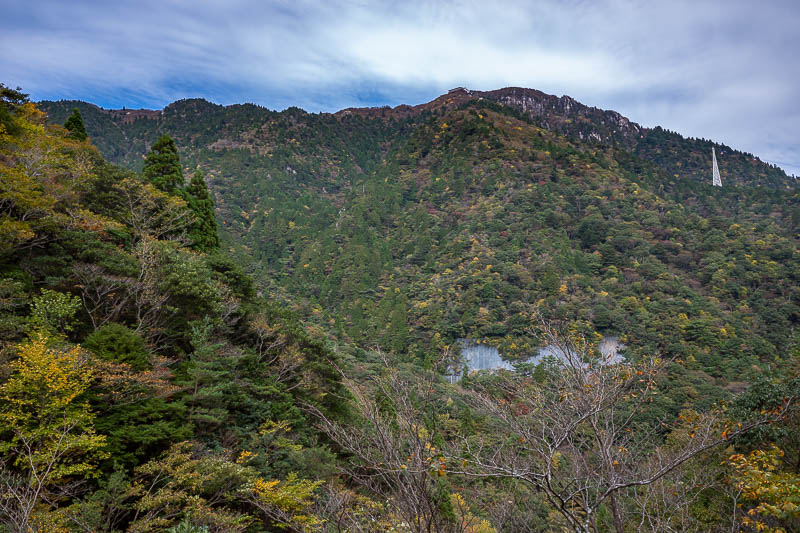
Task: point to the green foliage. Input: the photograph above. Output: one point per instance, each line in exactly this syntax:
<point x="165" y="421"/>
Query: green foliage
<point x="13" y="298"/>
<point x="186" y="279"/>
<point x="75" y="125"/>
<point x="162" y="165"/>
<point x="53" y="312"/>
<point x="104" y="509"/>
<point x="203" y="231"/>
<point x="186" y="484"/>
<point x="118" y="343"/>
<point x="10" y="100"/>
<point x="209" y="377"/>
<point x="108" y="251"/>
<point x="227" y="271"/>
<point x="139" y="430"/>
<point x="404" y="229"/>
<point x="369" y="224"/>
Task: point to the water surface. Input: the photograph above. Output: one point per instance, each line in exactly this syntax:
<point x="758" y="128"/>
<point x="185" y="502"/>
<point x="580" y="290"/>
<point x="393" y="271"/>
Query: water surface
<point x="486" y="357"/>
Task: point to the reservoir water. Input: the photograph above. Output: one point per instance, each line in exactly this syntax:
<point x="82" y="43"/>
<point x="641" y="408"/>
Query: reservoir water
<point x="485" y="357"/>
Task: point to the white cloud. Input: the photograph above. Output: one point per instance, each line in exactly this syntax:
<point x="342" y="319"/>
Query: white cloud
<point x="724" y="70"/>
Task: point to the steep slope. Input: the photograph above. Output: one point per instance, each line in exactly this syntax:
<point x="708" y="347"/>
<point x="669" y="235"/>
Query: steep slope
<point x="414" y="226"/>
<point x="480" y="220"/>
<point x="681" y="158"/>
<point x="145" y="386"/>
<point x="129" y="360"/>
<point x="265" y="167"/>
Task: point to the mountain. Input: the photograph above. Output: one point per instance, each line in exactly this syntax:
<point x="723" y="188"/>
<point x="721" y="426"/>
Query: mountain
<point x="464" y="217"/>
<point x="147" y="384"/>
<point x="681" y="158"/>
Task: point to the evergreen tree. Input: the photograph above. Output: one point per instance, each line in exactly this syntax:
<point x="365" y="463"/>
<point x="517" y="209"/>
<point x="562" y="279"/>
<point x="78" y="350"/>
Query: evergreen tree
<point x="10" y="100"/>
<point x="75" y="126"/>
<point x="162" y="167"/>
<point x="204" y="230"/>
<point x="209" y="381"/>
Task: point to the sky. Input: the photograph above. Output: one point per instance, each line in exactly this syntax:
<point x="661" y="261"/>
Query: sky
<point x="725" y="70"/>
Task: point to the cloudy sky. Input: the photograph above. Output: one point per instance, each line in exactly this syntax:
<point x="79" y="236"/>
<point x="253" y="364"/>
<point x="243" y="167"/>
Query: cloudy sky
<point x="726" y="70"/>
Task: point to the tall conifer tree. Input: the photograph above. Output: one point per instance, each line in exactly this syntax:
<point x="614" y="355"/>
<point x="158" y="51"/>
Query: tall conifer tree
<point x="204" y="230"/>
<point x="162" y="167"/>
<point x="75" y="125"/>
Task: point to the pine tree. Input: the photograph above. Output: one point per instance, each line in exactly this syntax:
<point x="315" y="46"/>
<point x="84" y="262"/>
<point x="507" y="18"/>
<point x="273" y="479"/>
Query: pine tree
<point x="162" y="167"/>
<point x="204" y="230"/>
<point x="214" y="392"/>
<point x="75" y="126"/>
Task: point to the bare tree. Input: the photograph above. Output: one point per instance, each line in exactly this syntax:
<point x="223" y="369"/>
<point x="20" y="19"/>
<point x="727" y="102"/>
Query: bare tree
<point x="576" y="436"/>
<point x="152" y="213"/>
<point x="104" y="295"/>
<point x="393" y="449"/>
<point x="345" y="510"/>
<point x="148" y="295"/>
<point x="21" y="494"/>
<point x="666" y="505"/>
<point x="275" y="350"/>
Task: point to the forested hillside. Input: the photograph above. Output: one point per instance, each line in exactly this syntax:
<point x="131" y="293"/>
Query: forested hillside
<point x="279" y="367"/>
<point x="143" y="382"/>
<point x="679" y="157"/>
<point x="415" y="226"/>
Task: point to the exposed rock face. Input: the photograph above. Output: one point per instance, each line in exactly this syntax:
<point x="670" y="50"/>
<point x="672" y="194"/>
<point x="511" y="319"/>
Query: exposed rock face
<point x="566" y="115"/>
<point x="127" y="116"/>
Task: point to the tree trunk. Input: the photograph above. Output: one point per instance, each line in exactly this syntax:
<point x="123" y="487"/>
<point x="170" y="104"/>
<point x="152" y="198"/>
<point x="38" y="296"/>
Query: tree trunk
<point x="618" y="525"/>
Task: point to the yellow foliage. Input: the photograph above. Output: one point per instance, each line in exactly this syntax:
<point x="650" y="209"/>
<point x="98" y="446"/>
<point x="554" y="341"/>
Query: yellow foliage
<point x="291" y="499"/>
<point x="772" y="490"/>
<point x="245" y="456"/>
<point x="38" y="171"/>
<point x="468" y="522"/>
<point x="45" y="380"/>
<point x="48" y="432"/>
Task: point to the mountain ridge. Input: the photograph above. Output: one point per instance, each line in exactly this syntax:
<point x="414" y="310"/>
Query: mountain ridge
<point x="562" y="114"/>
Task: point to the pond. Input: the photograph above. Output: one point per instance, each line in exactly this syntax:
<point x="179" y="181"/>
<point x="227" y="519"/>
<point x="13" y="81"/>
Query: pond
<point x="485" y="357"/>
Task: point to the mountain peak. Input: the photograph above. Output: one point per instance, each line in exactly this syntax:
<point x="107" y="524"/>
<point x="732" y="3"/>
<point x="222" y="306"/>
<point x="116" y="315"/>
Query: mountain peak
<point x="677" y="156"/>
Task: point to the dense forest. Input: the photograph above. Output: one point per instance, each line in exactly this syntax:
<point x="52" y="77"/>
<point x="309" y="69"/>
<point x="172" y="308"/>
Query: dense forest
<point x="410" y="228"/>
<point x="246" y="325"/>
